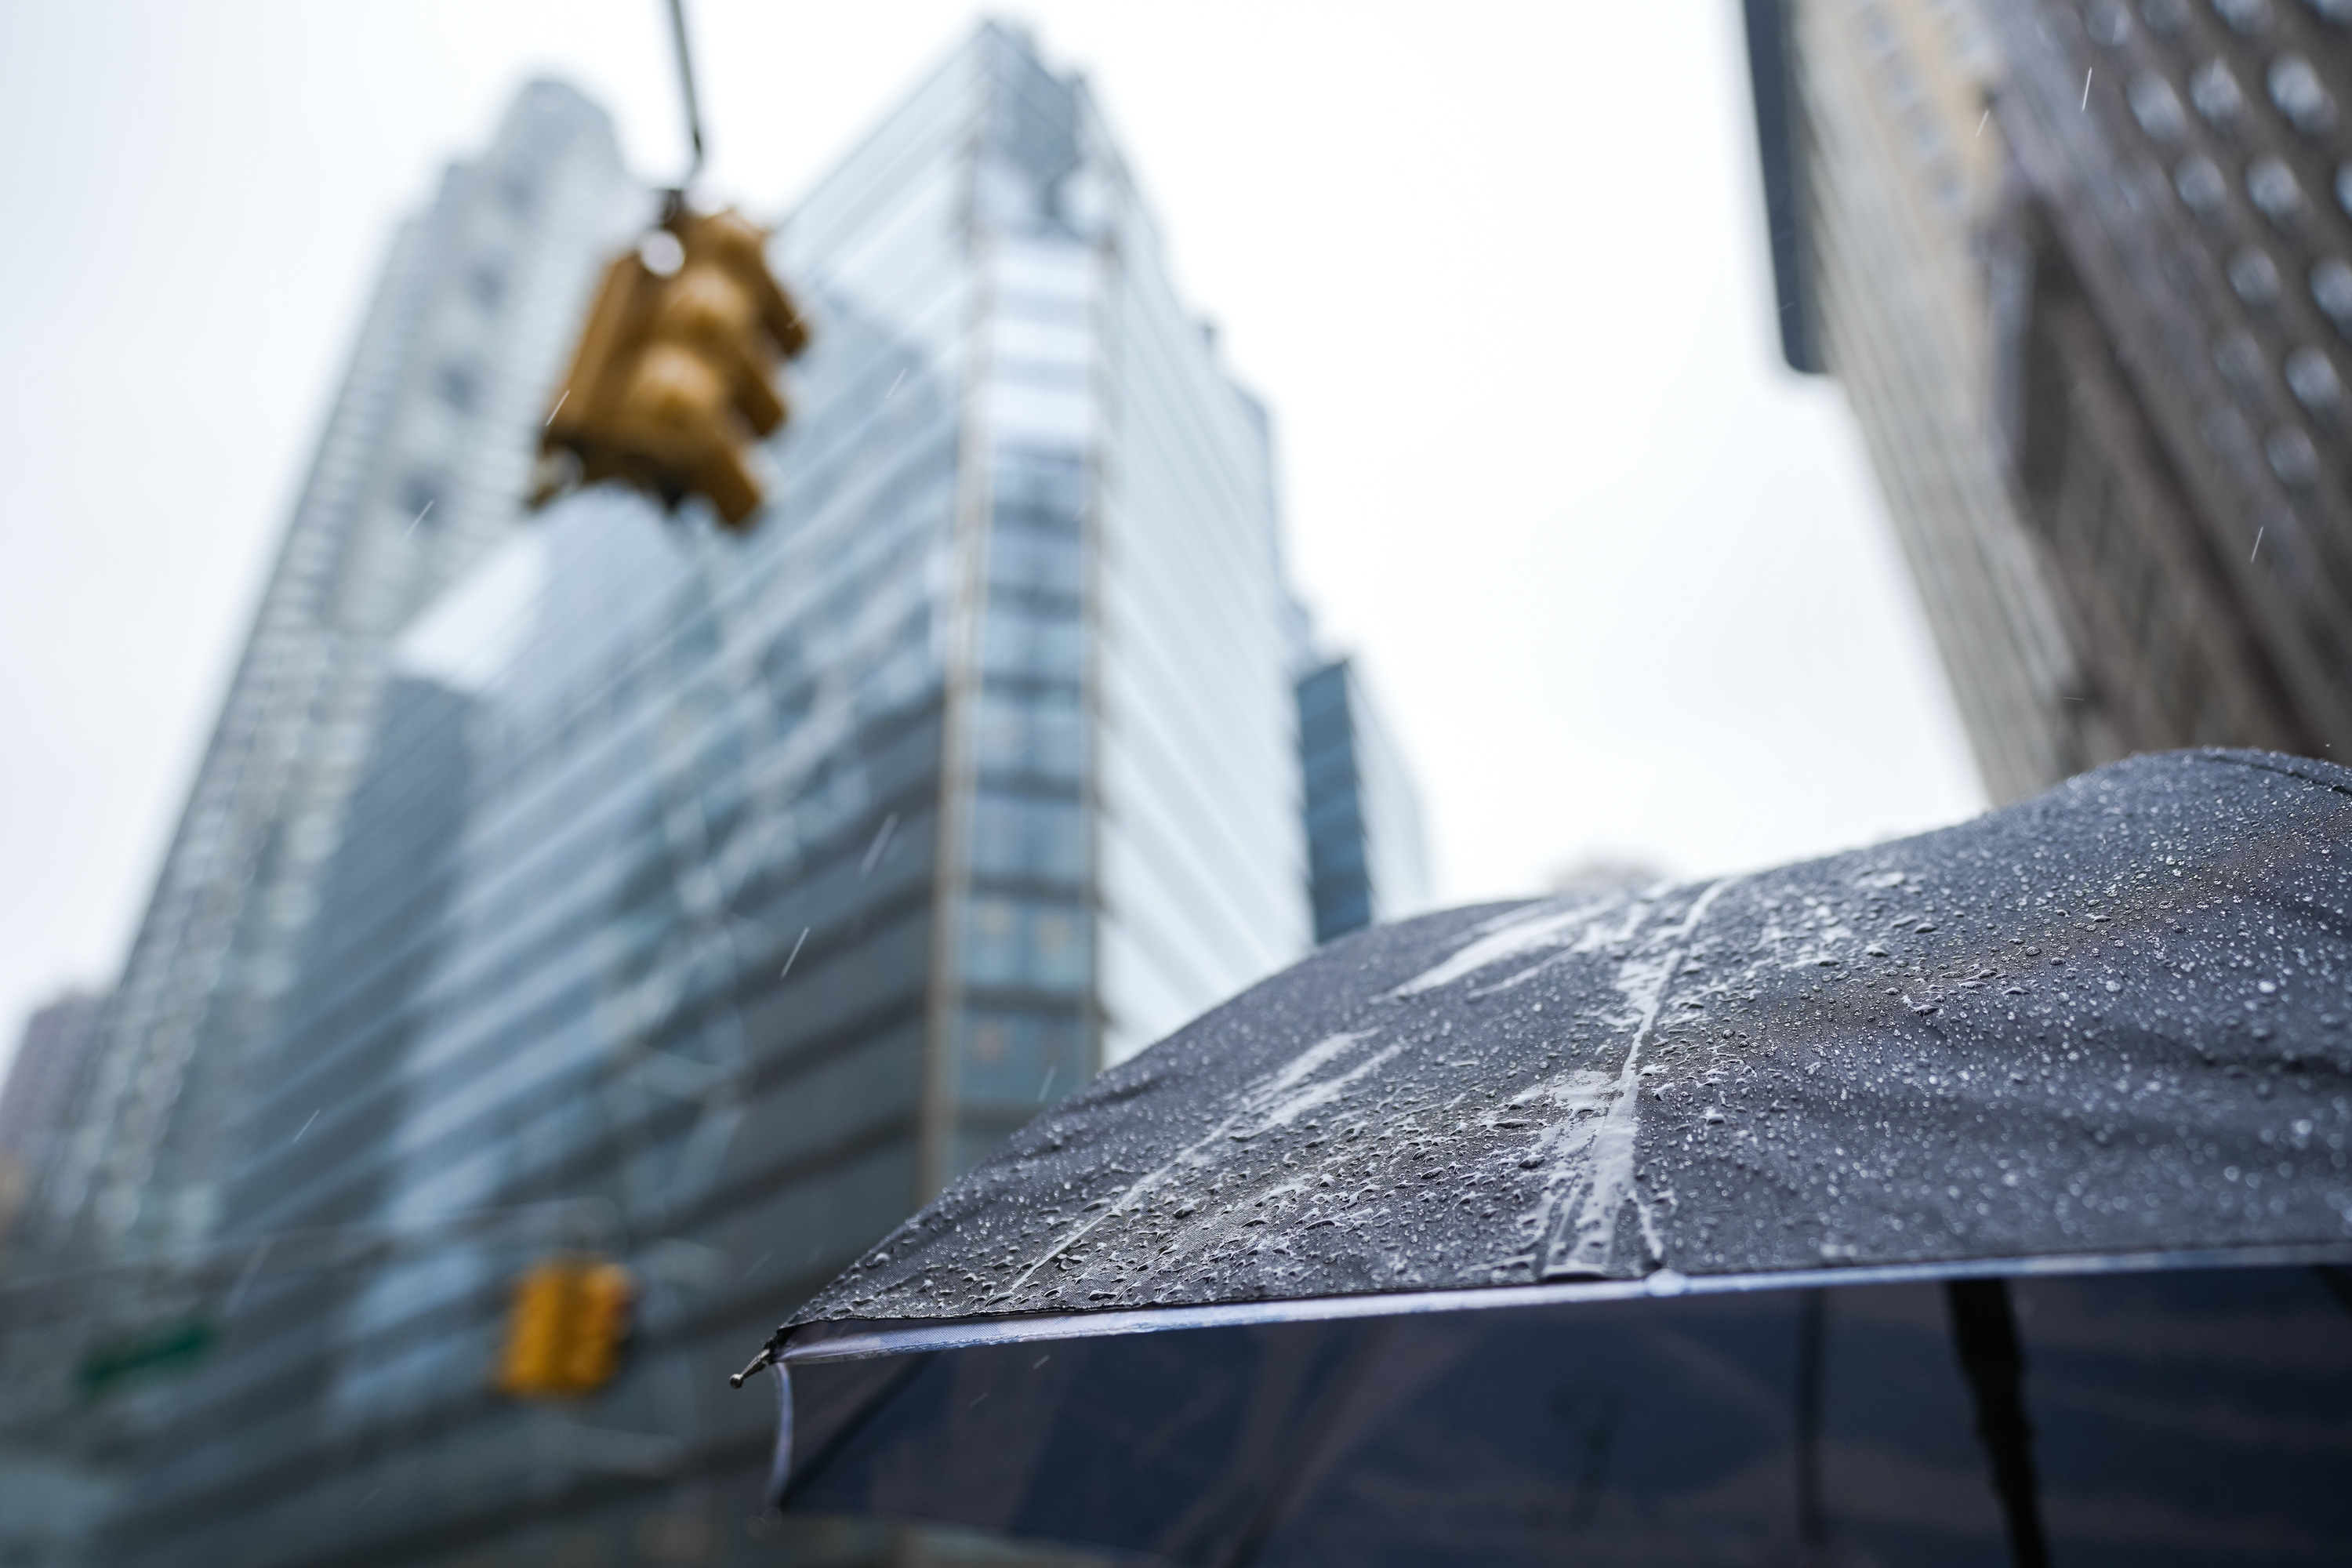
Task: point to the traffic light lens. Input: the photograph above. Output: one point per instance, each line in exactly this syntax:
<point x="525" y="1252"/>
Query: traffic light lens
<point x="674" y="391"/>
<point x="706" y="304"/>
<point x="661" y="253"/>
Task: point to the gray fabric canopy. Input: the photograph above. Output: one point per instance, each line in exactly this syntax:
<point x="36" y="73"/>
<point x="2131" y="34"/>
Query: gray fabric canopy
<point x="2086" y="1053"/>
<point x="2110" y="1019"/>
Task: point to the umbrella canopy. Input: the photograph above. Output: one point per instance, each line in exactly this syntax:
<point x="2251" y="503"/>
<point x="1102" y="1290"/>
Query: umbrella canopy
<point x="2100" y="1031"/>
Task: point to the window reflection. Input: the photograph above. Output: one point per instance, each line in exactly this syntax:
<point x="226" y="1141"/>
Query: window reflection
<point x="1017" y="836"/>
<point x="1018" y="1058"/>
<point x="1026" y="943"/>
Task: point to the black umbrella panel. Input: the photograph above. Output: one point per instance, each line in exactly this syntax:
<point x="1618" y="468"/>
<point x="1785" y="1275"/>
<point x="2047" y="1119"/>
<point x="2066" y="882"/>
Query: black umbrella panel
<point x="2088" y="1037"/>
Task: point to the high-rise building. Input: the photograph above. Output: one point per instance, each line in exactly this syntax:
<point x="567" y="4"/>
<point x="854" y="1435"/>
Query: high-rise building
<point x="1879" y="164"/>
<point x="1365" y="857"/>
<point x="2082" y="268"/>
<point x="2175" y="306"/>
<point x="418" y="473"/>
<point x="423" y="457"/>
<point x="33" y="1100"/>
<point x="705" y="904"/>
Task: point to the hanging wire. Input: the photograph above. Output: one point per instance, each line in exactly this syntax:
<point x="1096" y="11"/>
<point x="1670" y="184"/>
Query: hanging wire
<point x="693" y="109"/>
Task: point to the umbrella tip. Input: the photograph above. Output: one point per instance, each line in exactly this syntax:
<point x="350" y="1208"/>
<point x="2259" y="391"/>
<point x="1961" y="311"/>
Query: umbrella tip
<point x="767" y="1355"/>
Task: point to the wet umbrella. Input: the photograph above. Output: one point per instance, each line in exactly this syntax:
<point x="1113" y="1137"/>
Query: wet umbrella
<point x="1989" y="1184"/>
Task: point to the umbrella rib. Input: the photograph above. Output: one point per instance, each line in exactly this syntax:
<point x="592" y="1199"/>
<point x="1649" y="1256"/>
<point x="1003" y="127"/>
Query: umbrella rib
<point x="2339" y="1281"/>
<point x="1260" y="1099"/>
<point x="1584" y="1240"/>
<point x="1984" y="1332"/>
<point x="1812" y="1331"/>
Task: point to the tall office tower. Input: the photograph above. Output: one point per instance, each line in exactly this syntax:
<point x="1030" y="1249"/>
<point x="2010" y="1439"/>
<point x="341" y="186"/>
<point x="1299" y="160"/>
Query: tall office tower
<point x="1880" y="165"/>
<point x="1364" y="853"/>
<point x="423" y="457"/>
<point x="2075" y="264"/>
<point x="34" y="1097"/>
<point x="2177" y="303"/>
<point x="418" y="471"/>
<point x="707" y="902"/>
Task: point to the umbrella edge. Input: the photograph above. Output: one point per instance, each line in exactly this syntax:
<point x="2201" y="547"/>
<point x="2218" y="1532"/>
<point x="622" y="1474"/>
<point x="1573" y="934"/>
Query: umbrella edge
<point x="859" y="1340"/>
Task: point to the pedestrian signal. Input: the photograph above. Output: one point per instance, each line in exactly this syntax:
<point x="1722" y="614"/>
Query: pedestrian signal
<point x="674" y="376"/>
<point x="565" y="1329"/>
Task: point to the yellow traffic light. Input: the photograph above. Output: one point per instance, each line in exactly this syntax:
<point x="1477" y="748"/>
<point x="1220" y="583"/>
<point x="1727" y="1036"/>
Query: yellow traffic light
<point x="602" y="1296"/>
<point x="674" y="376"/>
<point x="565" y="1330"/>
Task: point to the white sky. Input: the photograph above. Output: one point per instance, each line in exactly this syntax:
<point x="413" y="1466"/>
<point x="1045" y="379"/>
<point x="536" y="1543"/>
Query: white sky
<point x="1619" y="579"/>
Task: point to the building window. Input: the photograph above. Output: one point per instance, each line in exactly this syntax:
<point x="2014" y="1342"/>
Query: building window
<point x="2273" y="186"/>
<point x="2240" y="358"/>
<point x="1018" y="642"/>
<point x="2331" y="290"/>
<point x="2215" y="92"/>
<point x="1040" y="735"/>
<point x="2291" y="455"/>
<point x="1035" y="562"/>
<point x="1019" y="1056"/>
<point x="2200" y="184"/>
<point x="2255" y="276"/>
<point x="2157" y="107"/>
<point x="2296" y="89"/>
<point x="458" y="385"/>
<point x="2312" y="378"/>
<point x="2247" y="16"/>
<point x="419" y="491"/>
<point x="1028" y="944"/>
<point x="1028" y="839"/>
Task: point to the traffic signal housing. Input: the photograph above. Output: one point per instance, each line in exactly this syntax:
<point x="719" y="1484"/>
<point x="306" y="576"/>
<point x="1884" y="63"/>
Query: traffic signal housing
<point x="674" y="376"/>
<point x="565" y="1329"/>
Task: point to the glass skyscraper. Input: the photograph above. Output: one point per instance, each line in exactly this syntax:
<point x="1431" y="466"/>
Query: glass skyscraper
<point x="418" y="474"/>
<point x="1365" y="859"/>
<point x="707" y="903"/>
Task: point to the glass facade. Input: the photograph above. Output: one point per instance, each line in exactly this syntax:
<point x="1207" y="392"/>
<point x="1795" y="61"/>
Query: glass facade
<point x="1364" y="849"/>
<point x="707" y="903"/>
<point x="418" y="473"/>
<point x="417" y="479"/>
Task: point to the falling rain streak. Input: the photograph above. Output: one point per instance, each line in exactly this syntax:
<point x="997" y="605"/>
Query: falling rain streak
<point x="794" y="954"/>
<point x="881" y="842"/>
<point x="246" y="1277"/>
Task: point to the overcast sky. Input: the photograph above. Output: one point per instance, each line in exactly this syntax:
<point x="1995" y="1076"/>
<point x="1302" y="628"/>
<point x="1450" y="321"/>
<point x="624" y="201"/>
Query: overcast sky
<point x="1621" y="580"/>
